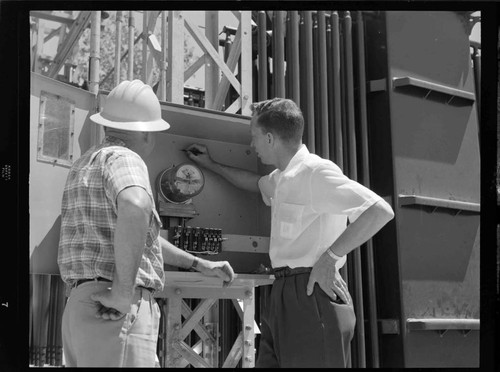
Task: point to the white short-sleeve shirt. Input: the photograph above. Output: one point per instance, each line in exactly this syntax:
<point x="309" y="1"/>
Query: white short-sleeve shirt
<point x="311" y="202"/>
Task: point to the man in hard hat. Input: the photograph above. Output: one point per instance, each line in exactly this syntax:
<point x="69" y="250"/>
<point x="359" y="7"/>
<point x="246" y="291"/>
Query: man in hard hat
<point x="110" y="253"/>
<point x="311" y="200"/>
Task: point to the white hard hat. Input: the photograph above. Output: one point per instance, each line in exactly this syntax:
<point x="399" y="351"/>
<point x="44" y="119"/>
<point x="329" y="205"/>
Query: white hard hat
<point x="132" y="105"/>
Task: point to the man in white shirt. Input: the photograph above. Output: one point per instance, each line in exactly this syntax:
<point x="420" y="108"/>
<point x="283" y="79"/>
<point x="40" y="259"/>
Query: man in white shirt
<point x="311" y="203"/>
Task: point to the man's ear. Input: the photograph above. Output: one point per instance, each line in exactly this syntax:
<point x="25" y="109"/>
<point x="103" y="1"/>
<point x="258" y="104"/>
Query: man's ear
<point x="270" y="138"/>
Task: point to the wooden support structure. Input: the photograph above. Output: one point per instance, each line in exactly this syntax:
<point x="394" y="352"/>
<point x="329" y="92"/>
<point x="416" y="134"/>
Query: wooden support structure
<point x="181" y="286"/>
<point x="246" y="62"/>
<point x="175" y="85"/>
<point x="212" y="71"/>
<point x="74" y="33"/>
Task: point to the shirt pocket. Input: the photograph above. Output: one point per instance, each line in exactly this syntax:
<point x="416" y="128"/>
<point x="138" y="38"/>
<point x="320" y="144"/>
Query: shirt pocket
<point x="290" y="220"/>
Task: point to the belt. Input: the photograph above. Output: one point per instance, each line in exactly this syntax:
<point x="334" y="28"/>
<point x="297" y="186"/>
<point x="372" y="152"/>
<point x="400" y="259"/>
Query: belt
<point x="281" y="272"/>
<point x="99" y="279"/>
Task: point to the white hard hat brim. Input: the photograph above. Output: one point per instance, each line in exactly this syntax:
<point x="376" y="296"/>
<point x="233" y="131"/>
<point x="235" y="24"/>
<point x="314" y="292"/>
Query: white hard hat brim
<point x="136" y="126"/>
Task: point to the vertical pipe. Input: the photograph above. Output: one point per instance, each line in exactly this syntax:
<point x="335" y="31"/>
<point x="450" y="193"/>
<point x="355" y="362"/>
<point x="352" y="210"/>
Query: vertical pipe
<point x="262" y="47"/>
<point x="316" y="85"/>
<point x="330" y="82"/>
<point x="339" y="159"/>
<point x="131" y="36"/>
<point x="476" y="58"/>
<point x="41" y="321"/>
<point x="309" y="88"/>
<point x="162" y="89"/>
<point x="349" y="74"/>
<point x="370" y="267"/>
<point x="118" y="45"/>
<point x="294" y="53"/>
<point x="353" y="174"/>
<point x="145" y="36"/>
<point x="31" y="348"/>
<point x="288" y="57"/>
<point x="51" y="339"/>
<point x="61" y="301"/>
<point x="278" y="54"/>
<point x="303" y="75"/>
<point x="95" y="37"/>
<point x="94" y="67"/>
<point x="323" y="87"/>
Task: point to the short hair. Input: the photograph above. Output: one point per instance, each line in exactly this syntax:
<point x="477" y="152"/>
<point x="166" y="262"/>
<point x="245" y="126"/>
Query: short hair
<point x="281" y="117"/>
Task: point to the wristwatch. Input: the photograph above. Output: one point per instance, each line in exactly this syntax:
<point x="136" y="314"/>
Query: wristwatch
<point x="195" y="263"/>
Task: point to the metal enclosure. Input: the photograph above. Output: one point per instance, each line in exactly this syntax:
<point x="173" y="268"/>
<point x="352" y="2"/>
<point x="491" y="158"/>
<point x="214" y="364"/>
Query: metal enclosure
<point x="424" y="150"/>
<point x="47" y="177"/>
<point x="242" y="216"/>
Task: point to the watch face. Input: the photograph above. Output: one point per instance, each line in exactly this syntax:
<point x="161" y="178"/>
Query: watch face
<point x="180" y="183"/>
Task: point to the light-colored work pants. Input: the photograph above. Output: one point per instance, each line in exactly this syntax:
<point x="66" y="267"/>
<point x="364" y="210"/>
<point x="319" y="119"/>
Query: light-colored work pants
<point x="94" y="342"/>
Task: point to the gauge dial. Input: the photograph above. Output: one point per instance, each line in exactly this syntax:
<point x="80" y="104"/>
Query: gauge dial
<point x="179" y="184"/>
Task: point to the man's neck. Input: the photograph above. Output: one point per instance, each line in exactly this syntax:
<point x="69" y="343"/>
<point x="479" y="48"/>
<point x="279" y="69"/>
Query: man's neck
<point x="286" y="155"/>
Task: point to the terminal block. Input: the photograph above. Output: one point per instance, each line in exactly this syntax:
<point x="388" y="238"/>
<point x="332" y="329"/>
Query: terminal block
<point x="196" y="239"/>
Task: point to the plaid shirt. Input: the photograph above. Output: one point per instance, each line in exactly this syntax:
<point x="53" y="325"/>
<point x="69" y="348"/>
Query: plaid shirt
<point x="89" y="215"/>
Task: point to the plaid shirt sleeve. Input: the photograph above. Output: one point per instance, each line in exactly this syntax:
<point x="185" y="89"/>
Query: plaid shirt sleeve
<point x="124" y="169"/>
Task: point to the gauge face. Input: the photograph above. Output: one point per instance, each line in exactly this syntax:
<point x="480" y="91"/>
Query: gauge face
<point x="180" y="183"/>
<point x="188" y="179"/>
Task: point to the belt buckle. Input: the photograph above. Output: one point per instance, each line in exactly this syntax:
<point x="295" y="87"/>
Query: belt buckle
<point x="287" y="271"/>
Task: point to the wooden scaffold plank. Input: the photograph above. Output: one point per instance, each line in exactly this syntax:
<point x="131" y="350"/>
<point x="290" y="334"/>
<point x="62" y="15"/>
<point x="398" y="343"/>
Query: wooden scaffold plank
<point x="175" y="77"/>
<point x="248" y="329"/>
<point x="246" y="62"/>
<point x="234" y="355"/>
<point x="173" y="323"/>
<point x="211" y="69"/>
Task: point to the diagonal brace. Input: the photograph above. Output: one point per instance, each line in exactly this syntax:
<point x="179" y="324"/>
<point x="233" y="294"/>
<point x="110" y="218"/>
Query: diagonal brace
<point x="205" y="44"/>
<point x="195" y="317"/>
<point x="74" y="34"/>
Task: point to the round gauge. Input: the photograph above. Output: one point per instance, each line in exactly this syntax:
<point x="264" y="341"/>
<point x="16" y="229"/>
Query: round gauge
<point x="180" y="183"/>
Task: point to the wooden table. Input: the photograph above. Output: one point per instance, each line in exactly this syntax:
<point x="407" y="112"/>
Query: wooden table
<point x="181" y="285"/>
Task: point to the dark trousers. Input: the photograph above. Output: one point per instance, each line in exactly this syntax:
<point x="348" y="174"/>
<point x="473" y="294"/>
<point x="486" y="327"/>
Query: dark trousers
<point x="298" y="330"/>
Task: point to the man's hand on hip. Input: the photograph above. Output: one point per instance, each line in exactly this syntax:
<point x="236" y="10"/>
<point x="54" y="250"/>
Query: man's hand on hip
<point x="111" y="305"/>
<point x="326" y="274"/>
